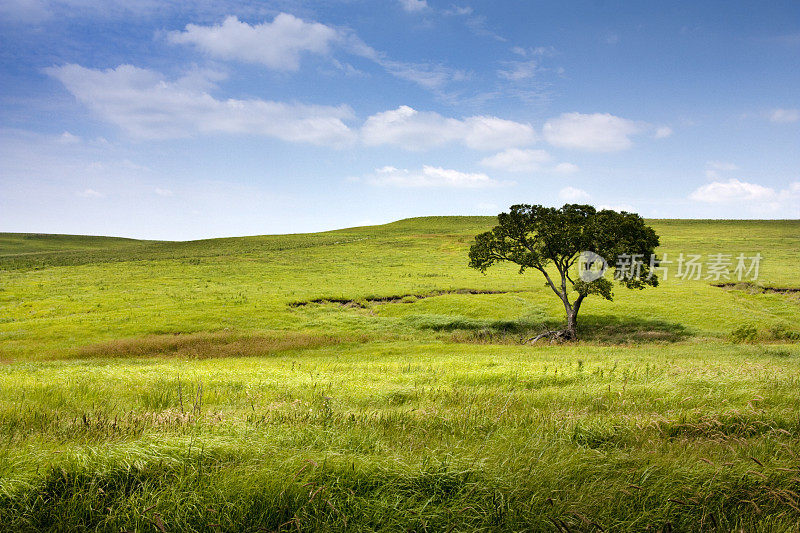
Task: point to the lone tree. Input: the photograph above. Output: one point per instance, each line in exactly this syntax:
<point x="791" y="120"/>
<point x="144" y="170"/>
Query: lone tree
<point x="543" y="238"/>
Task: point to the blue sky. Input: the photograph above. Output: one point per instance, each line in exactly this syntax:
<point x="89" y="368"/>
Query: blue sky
<point x="194" y="119"/>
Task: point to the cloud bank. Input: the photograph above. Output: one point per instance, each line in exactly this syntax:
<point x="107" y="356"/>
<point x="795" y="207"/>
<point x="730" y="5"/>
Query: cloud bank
<point x="147" y="106"/>
<point x="752" y="197"/>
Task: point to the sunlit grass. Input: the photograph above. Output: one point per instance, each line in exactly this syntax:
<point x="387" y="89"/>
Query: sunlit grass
<point x="149" y="385"/>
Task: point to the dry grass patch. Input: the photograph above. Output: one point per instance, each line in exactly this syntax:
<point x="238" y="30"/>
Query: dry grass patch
<point x="206" y="345"/>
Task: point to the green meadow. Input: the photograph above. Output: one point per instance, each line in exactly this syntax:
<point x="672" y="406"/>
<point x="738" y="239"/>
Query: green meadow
<point x="367" y="380"/>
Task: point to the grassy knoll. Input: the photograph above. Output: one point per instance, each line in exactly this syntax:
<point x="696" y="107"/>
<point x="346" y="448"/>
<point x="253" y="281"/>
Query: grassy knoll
<point x="366" y="379"/>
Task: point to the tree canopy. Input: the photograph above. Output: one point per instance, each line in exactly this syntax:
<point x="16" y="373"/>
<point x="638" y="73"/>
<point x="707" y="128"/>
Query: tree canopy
<point x="551" y="240"/>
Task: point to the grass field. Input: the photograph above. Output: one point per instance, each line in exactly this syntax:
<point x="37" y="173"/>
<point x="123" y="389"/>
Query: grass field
<point x="366" y="379"/>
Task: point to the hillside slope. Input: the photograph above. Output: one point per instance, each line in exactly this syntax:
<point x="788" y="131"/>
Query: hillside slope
<point x="60" y="292"/>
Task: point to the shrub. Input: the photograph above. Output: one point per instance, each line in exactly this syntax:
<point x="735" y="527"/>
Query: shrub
<point x="744" y="333"/>
<point x="782" y="332"/>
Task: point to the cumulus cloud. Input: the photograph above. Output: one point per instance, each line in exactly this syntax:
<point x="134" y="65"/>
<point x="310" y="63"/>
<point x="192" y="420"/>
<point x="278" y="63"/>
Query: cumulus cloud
<point x="415" y="130"/>
<point x="598" y="132"/>
<point x="784" y="115"/>
<point x="277" y="44"/>
<point x="733" y="190"/>
<point x="517" y="160"/>
<point x="147" y="106"/>
<point x="572" y="194"/>
<point x="414" y="5"/>
<point x="430" y="176"/>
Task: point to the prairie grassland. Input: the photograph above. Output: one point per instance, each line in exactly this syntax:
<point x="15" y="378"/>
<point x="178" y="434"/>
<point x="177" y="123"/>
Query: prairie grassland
<point x="366" y="379"/>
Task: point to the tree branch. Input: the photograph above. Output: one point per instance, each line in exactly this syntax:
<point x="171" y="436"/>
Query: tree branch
<point x="549" y="281"/>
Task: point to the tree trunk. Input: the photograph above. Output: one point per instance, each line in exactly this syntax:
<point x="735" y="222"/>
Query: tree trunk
<point x="572" y="325"/>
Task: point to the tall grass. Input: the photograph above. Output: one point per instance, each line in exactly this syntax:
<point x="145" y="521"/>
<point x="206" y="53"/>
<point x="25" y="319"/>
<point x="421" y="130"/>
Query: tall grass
<point x="150" y="386"/>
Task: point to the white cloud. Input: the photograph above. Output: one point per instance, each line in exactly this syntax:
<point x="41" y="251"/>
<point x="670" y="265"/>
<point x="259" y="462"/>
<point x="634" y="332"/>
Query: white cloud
<point x="517" y="160"/>
<point x="416" y="130"/>
<point x="662" y="132"/>
<point x="566" y="168"/>
<point x="281" y="43"/>
<point x="739" y="196"/>
<point x="784" y="115"/>
<point x="572" y="194"/>
<point x="492" y="133"/>
<point x="732" y="190"/>
<point x="598" y="132"/>
<point x="431" y="176"/>
<point x="277" y="44"/>
<point x="429" y="76"/>
<point x="414" y="5"/>
<point x="519" y="70"/>
<point x="163" y="192"/>
<point x="90" y="193"/>
<point x="147" y="106"/>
